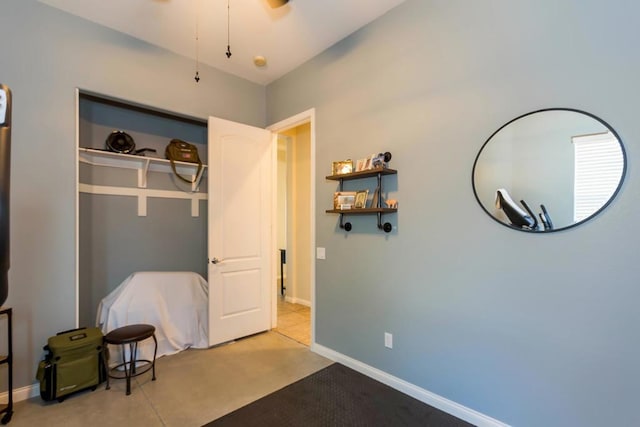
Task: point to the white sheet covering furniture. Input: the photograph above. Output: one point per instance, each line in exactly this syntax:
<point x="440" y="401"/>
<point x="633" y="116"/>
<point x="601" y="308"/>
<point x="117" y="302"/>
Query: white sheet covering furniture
<point x="176" y="303"/>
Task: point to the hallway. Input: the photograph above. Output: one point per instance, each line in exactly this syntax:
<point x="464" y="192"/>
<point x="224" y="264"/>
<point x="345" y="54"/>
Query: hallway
<point x="294" y="321"/>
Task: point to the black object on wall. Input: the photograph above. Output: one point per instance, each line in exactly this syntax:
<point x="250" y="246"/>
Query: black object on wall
<point x="5" y="174"/>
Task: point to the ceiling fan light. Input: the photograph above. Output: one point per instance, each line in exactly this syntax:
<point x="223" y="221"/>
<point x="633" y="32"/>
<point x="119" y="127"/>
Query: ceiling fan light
<point x="259" y="61"/>
<point x="277" y="3"/>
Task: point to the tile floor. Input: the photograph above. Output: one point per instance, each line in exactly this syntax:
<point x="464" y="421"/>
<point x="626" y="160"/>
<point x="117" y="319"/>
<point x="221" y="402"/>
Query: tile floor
<point x="294" y="321"/>
<point x="192" y="388"/>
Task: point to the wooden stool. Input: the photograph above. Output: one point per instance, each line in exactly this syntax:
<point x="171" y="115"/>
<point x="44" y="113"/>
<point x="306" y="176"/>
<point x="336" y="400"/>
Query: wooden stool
<point x="131" y="335"/>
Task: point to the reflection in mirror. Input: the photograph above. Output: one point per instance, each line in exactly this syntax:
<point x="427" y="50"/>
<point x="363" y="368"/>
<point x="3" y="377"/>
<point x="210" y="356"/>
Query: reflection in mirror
<point x="549" y="170"/>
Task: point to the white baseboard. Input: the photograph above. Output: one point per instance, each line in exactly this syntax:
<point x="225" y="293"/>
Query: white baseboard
<point x="295" y="300"/>
<point x="22" y="393"/>
<point x="439" y="402"/>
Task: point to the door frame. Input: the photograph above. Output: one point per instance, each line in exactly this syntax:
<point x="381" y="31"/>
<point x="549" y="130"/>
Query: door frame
<point x="308" y="116"/>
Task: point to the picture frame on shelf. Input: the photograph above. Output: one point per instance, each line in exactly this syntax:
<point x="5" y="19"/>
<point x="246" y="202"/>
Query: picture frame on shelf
<point x="360" y="165"/>
<point x="342" y="167"/>
<point x="367" y="163"/>
<point x="343" y="200"/>
<point x="374" y="199"/>
<point x="361" y="199"/>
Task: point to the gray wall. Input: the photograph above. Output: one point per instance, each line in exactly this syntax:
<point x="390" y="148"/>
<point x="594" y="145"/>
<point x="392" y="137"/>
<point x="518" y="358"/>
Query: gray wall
<point x="534" y="330"/>
<point x="46" y="55"/>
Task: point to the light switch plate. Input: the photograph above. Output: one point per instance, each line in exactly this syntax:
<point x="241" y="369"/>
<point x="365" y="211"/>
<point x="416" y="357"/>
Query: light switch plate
<point x="321" y="253"/>
<point x="388" y="340"/>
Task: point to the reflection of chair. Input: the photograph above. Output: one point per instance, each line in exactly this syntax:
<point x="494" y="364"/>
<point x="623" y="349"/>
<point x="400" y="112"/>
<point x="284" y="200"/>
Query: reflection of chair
<point x="518" y="217"/>
<point x="545" y="218"/>
<point x="521" y="218"/>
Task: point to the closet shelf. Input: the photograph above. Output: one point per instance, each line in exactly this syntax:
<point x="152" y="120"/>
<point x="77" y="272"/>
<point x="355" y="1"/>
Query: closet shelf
<point x="140" y="163"/>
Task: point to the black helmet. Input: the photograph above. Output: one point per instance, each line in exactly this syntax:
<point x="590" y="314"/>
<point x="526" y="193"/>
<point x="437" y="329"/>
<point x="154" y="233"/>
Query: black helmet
<point x="120" y="142"/>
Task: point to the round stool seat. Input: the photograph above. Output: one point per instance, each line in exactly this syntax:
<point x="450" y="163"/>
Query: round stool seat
<point x="130" y="333"/>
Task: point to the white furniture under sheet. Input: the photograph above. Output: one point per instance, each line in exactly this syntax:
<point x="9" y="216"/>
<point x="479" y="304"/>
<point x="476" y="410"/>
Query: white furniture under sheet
<point x="176" y="303"/>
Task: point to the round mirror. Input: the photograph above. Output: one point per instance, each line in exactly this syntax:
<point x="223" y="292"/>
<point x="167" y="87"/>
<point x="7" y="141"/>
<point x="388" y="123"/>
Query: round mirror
<point x="549" y="170"/>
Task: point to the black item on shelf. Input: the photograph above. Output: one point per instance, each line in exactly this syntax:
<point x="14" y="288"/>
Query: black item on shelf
<point x="120" y="142"/>
<point x="141" y="151"/>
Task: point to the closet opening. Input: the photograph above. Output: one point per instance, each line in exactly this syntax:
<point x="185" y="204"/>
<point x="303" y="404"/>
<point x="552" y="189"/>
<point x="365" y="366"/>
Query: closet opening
<point x="133" y="213"/>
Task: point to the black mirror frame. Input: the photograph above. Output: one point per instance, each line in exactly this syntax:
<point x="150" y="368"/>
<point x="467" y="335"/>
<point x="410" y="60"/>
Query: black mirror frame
<point x="593" y="215"/>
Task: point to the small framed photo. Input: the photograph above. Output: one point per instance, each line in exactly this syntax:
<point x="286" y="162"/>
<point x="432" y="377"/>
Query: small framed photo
<point x="367" y="163"/>
<point x="360" y="165"/>
<point x="361" y="199"/>
<point x="342" y="167"/>
<point x="344" y="200"/>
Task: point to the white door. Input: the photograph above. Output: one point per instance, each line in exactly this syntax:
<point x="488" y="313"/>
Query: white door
<point x="240" y="181"/>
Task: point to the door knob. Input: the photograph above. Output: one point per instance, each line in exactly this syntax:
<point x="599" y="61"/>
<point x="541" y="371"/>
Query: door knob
<point x="215" y="260"/>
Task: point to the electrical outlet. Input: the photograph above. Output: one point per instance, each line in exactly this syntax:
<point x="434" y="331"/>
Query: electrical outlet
<point x="388" y="340"/>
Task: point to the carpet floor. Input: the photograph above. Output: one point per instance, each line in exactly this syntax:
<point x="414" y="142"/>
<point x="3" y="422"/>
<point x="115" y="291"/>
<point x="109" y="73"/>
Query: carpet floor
<point x="337" y="396"/>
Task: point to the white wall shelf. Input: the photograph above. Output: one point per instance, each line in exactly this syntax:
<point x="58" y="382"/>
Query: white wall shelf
<point x="143" y="193"/>
<point x="143" y="165"/>
<point x="140" y="163"/>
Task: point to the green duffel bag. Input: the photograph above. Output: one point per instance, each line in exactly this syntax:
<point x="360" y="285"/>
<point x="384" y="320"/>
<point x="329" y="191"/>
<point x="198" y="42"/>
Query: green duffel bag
<point x="74" y="362"/>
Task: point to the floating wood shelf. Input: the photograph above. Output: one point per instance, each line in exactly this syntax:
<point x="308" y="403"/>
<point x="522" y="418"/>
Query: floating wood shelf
<point x="362" y="211"/>
<point x="362" y="174"/>
<point x="378" y="173"/>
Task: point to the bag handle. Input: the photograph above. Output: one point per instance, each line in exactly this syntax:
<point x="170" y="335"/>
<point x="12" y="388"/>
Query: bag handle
<point x="173" y="166"/>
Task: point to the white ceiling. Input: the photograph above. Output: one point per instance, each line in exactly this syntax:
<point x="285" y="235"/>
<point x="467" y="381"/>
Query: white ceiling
<point x="287" y="36"/>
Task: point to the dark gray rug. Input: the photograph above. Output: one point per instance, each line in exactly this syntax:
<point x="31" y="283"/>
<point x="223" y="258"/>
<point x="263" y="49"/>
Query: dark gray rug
<point x="337" y="396"/>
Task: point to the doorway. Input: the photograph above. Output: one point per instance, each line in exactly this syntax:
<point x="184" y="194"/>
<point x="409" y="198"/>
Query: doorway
<point x="295" y="231"/>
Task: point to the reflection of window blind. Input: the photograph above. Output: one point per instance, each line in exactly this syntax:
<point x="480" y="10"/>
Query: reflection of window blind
<point x="598" y="169"/>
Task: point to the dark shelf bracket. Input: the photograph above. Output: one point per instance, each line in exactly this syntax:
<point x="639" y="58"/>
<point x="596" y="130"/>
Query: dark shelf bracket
<point x="387" y="227"/>
<point x="345" y="226"/>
